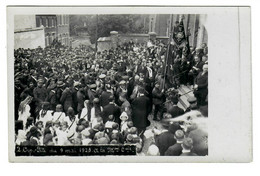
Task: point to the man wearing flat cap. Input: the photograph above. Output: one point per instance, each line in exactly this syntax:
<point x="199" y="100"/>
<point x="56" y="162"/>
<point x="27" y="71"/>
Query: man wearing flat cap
<point x="39" y="93"/>
<point x="92" y="93"/>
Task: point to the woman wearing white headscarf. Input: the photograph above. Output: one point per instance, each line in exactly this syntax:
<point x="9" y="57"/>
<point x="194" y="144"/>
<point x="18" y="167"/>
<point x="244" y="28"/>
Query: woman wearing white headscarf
<point x="24" y="109"/>
<point x="21" y="137"/>
<point x="84" y="111"/>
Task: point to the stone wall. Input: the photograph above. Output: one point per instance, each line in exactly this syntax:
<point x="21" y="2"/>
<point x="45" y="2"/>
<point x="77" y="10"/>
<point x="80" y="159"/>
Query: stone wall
<point x="29" y="38"/>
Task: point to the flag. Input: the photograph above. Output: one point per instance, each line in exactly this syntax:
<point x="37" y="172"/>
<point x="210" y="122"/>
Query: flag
<point x="181" y="40"/>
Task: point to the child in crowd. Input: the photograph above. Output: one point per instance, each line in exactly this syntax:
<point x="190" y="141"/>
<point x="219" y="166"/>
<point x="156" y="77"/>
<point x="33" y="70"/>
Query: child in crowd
<point x="59" y="115"/>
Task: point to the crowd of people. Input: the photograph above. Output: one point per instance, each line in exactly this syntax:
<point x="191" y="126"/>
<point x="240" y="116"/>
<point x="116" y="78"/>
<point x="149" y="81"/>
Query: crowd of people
<point x="76" y="96"/>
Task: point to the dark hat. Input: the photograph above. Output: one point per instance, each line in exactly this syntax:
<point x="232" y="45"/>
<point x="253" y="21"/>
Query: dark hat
<point x="192" y="99"/>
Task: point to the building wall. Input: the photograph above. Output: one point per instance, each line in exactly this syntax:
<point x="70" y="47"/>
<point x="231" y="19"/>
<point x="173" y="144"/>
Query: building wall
<point x="29" y="38"/>
<point x="63" y="29"/>
<point x="24" y="21"/>
<point x="139" y="38"/>
<point x="26" y="34"/>
<point x="56" y="26"/>
<point x="160" y="24"/>
<point x="49" y="22"/>
<point x="104" y="45"/>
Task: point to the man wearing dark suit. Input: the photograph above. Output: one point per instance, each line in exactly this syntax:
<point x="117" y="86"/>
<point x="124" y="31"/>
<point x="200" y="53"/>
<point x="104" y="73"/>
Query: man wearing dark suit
<point x="187" y="145"/>
<point x="174" y="110"/>
<point x="111" y="109"/>
<point x="166" y="139"/>
<point x="104" y="98"/>
<point x="201" y="86"/>
<point x="141" y="107"/>
<point x="176" y="149"/>
<point x="184" y="68"/>
<point x="196" y="69"/>
<point x="157" y="101"/>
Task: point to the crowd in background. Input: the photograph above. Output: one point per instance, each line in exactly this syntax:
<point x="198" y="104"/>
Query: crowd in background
<point x="75" y="96"/>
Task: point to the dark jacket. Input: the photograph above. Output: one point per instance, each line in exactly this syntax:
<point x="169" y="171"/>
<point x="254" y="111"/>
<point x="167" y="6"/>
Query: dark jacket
<point x="157" y="96"/>
<point x="164" y="141"/>
<point x="202" y="81"/>
<point x="141" y="107"/>
<point x="104" y="98"/>
<point x="175" y="111"/>
<point x="66" y="99"/>
<point x="174" y="150"/>
<point x="111" y="109"/>
<point x="40" y="94"/>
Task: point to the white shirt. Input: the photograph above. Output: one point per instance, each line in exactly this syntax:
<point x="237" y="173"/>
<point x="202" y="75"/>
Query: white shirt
<point x="45" y="118"/>
<point x="26" y="113"/>
<point x="84" y="114"/>
<point x="58" y="116"/>
<point x="61" y="136"/>
<point x="72" y="125"/>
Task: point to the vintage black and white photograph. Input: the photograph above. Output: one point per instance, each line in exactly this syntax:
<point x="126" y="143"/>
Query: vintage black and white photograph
<point x="111" y="84"/>
<point x="112" y="79"/>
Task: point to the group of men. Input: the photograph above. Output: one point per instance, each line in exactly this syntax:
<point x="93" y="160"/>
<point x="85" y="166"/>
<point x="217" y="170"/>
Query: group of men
<point x="75" y="96"/>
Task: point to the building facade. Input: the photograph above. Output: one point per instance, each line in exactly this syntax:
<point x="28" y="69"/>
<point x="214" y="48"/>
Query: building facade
<point x="193" y="24"/>
<point x="63" y="29"/>
<point x="26" y="34"/>
<point x="56" y="27"/>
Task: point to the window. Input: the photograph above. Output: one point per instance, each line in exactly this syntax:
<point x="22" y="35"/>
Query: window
<point x="62" y="20"/>
<point x="58" y="20"/>
<point x="46" y="22"/>
<point x="40" y="21"/>
<point x="47" y="40"/>
<point x="52" y="22"/>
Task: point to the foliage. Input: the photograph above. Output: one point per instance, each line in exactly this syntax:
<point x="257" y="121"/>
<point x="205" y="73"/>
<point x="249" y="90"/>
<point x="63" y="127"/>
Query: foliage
<point x="106" y="23"/>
